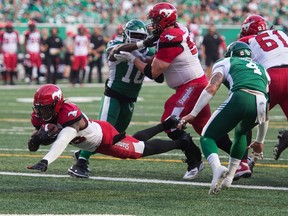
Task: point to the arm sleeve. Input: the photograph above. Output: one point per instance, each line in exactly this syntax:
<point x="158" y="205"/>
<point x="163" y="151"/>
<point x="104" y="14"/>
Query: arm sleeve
<point x="63" y="139"/>
<point x="202" y="101"/>
<point x="261" y="131"/>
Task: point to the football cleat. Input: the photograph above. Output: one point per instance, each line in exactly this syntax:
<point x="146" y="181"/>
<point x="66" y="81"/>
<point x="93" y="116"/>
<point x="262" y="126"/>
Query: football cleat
<point x="243" y="171"/>
<point x="251" y="163"/>
<point x="76" y="155"/>
<point x="78" y="171"/>
<point x="194" y="172"/>
<point x="227" y="182"/>
<point x="170" y="122"/>
<point x="281" y="145"/>
<point x="218" y="177"/>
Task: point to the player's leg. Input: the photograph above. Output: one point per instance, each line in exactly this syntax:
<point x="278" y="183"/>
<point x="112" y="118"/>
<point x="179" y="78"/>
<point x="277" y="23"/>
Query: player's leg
<point x="228" y="117"/>
<point x="278" y="95"/>
<point x="167" y="124"/>
<point x="109" y="111"/>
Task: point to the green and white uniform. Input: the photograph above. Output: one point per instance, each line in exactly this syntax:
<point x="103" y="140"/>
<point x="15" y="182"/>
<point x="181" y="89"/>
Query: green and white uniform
<point x="122" y="89"/>
<point x="244" y="108"/>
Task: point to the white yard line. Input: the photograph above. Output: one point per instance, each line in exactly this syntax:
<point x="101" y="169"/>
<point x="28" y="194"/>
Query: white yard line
<point x="135" y="180"/>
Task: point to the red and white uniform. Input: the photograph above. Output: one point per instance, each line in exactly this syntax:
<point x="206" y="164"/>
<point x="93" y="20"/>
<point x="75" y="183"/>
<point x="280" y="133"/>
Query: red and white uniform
<point x="9" y="43"/>
<point x="32" y="46"/>
<point x="81" y="43"/>
<point x="270" y="48"/>
<point x="184" y="74"/>
<point x="97" y="136"/>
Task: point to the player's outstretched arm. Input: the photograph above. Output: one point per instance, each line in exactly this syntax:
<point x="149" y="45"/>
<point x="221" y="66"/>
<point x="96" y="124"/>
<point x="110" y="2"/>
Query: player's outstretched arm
<point x="59" y="145"/>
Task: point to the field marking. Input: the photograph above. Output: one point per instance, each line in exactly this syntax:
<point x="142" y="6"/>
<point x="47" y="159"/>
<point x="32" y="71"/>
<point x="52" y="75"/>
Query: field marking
<point x="137" y="180"/>
<point x="99" y="157"/>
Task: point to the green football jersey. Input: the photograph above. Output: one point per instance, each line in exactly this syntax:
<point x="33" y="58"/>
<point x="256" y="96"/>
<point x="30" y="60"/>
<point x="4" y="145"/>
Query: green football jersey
<point x="124" y="77"/>
<point x="243" y="73"/>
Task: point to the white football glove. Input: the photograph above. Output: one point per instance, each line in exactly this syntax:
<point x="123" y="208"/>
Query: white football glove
<point x="125" y="56"/>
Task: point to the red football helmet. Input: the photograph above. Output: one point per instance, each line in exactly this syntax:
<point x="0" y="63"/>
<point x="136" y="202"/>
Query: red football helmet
<point x="48" y="101"/>
<point x="252" y="25"/>
<point x="9" y="26"/>
<point x="162" y="15"/>
<point x="31" y="23"/>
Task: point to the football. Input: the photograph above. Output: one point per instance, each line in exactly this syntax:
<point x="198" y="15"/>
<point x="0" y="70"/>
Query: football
<point x="48" y="133"/>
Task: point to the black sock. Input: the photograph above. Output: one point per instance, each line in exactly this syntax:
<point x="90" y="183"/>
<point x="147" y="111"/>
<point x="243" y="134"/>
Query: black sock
<point x="146" y="134"/>
<point x="157" y="146"/>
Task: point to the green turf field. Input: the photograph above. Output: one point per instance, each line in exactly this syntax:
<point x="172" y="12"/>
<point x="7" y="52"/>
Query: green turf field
<point x="148" y="186"/>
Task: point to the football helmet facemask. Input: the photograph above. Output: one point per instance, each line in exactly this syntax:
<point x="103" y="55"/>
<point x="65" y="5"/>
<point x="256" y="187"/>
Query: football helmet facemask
<point x="238" y="49"/>
<point x="162" y="15"/>
<point x="48" y="101"/>
<point x="134" y="31"/>
<point x="252" y="25"/>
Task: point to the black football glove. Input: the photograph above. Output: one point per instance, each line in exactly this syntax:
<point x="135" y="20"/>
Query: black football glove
<point x="151" y="40"/>
<point x="33" y="143"/>
<point x="41" y="166"/>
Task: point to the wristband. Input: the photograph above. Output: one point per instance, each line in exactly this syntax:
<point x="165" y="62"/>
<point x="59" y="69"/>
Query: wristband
<point x="140" y="44"/>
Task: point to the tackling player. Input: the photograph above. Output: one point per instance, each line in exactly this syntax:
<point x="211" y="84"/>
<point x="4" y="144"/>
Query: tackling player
<point x="270" y="48"/>
<point x="122" y="88"/>
<point x="248" y="101"/>
<point x="177" y="59"/>
<point x="93" y="135"/>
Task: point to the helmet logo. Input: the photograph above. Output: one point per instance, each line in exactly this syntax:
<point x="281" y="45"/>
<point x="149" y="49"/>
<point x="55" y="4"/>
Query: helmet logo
<point x="57" y="94"/>
<point x="247" y="25"/>
<point x="170" y="37"/>
<point x="166" y="12"/>
<point x="73" y="113"/>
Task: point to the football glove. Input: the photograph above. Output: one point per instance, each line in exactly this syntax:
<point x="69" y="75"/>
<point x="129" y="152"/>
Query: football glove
<point x="41" y="166"/>
<point x="33" y="143"/>
<point x="151" y="40"/>
<point x="46" y="135"/>
<point x="125" y="56"/>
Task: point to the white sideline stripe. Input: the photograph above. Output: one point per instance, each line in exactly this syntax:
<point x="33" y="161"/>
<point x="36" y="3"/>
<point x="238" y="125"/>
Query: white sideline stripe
<point x="135" y="180"/>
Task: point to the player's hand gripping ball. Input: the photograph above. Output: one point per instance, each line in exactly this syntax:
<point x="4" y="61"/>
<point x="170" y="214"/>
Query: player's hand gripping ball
<point x="48" y="133"/>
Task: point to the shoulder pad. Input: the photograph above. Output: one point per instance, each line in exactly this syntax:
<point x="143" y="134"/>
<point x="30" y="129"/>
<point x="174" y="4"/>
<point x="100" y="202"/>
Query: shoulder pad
<point x="171" y="35"/>
<point x="246" y="38"/>
<point x="111" y="44"/>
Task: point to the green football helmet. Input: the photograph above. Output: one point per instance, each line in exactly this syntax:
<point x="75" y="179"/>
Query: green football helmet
<point x="134" y="31"/>
<point x="238" y="49"/>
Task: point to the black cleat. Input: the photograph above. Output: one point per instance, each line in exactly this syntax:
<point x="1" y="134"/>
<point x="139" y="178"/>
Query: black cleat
<point x="78" y="171"/>
<point x="170" y="122"/>
<point x="76" y="155"/>
<point x="195" y="164"/>
<point x="281" y="145"/>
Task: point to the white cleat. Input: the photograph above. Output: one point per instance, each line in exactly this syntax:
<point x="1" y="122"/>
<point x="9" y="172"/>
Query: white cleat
<point x="193" y="173"/>
<point x="227" y="182"/>
<point x="218" y="177"/>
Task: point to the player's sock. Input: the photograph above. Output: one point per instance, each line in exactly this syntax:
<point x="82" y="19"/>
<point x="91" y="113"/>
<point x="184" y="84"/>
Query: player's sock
<point x="85" y="155"/>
